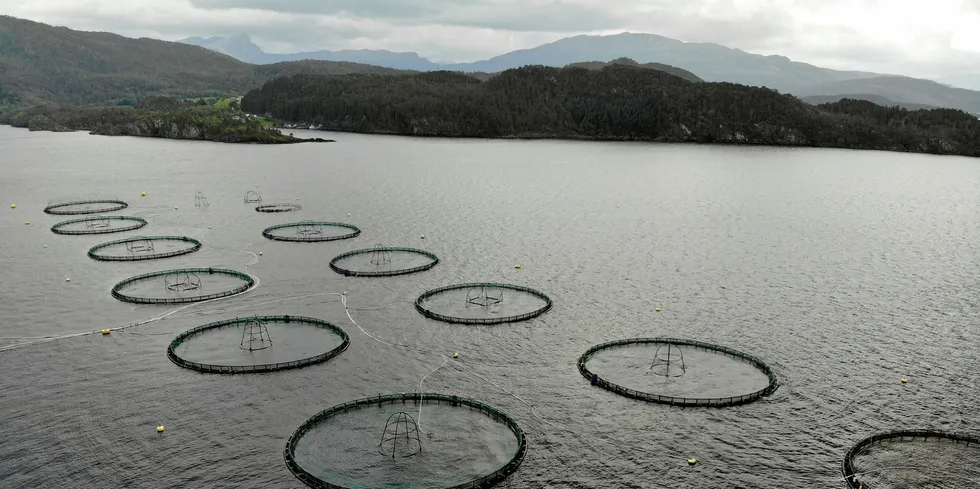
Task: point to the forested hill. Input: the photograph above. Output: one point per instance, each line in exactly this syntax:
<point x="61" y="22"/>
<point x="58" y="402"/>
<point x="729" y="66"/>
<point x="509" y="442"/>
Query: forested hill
<point x="44" y="64"/>
<point x="882" y="101"/>
<point x="673" y="70"/>
<point x="616" y="102"/>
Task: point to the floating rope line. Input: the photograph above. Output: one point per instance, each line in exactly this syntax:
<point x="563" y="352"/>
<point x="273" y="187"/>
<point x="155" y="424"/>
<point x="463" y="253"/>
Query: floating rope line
<point x="255" y="259"/>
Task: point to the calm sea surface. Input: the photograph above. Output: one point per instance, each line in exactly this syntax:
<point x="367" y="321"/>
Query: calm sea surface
<point x="845" y="271"/>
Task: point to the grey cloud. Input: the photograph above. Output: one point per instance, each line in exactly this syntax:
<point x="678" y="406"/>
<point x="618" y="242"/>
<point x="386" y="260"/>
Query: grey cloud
<point x="468" y="30"/>
<point x="296" y="31"/>
<point x="747" y="33"/>
<point x="515" y="15"/>
<point x="380" y="9"/>
<point x="308" y="37"/>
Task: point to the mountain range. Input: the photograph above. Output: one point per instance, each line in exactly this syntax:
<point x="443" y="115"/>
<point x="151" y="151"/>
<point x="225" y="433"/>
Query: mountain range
<point x="40" y="63"/>
<point x="242" y="48"/>
<point x="710" y="62"/>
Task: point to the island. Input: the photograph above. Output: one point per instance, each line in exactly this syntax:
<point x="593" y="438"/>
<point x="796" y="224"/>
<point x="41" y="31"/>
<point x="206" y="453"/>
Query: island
<point x="156" y="117"/>
<point x="617" y="101"/>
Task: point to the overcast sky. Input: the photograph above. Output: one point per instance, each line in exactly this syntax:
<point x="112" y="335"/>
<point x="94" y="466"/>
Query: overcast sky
<point x="928" y="38"/>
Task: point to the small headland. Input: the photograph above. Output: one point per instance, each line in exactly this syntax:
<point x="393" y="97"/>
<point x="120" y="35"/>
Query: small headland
<point x="156" y="117"/>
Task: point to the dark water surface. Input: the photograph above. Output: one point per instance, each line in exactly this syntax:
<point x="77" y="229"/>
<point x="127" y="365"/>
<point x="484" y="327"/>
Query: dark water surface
<point x="845" y="271"/>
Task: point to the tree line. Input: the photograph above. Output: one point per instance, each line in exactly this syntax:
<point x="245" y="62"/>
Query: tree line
<point x="616" y="102"/>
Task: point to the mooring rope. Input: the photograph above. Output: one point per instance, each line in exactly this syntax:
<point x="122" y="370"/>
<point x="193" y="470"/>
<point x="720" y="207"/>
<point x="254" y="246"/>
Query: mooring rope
<point x="255" y="259"/>
<point x="419" y="423"/>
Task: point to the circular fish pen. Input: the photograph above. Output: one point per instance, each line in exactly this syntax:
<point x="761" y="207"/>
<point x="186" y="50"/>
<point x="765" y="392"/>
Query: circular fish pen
<point x="144" y="248"/>
<point x="311" y="231"/>
<point x="677" y="372"/>
<point x="278" y="207"/>
<point x="182" y="285"/>
<point x="257" y="344"/>
<point x="913" y="458"/>
<point x="406" y="440"/>
<point x="482" y="303"/>
<point x="99" y="225"/>
<point x="383" y="261"/>
<point x="84" y="206"/>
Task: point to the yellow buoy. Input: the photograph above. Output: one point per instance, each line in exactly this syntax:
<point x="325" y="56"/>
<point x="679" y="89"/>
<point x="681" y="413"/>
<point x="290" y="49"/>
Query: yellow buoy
<point x="143" y="194"/>
<point x="260" y="253"/>
<point x="456" y="355"/>
<point x="657" y="309"/>
<point x="67" y="279"/>
<point x="517" y="266"/>
<point x="105" y="331"/>
<point x="45" y="246"/>
<point x="209" y="227"/>
<point x="160" y="429"/>
<point x="175" y="207"/>
<point x="692" y="461"/>
<point x="348" y="214"/>
<point x="27" y="223"/>
<point x="13" y="206"/>
<point x="423" y="236"/>
<point x="905" y="381"/>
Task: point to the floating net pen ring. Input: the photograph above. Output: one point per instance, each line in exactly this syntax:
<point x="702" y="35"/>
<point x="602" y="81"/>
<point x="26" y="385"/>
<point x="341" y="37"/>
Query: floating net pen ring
<point x="141" y="248"/>
<point x="851" y="476"/>
<point x="99" y="225"/>
<point x="381" y="255"/>
<point x="248" y="337"/>
<point x="278" y="207"/>
<point x="60" y="208"/>
<point x="677" y="400"/>
<point x="289" y="453"/>
<point x="182" y="280"/>
<point x="482" y="295"/>
<point x="310" y="231"/>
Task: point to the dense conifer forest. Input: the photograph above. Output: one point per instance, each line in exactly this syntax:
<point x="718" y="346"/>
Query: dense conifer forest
<point x="615" y="102"/>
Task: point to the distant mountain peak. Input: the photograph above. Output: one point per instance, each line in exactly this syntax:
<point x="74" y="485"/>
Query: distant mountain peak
<point x="673" y="70"/>
<point x="239" y="46"/>
<point x="242" y="47"/>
